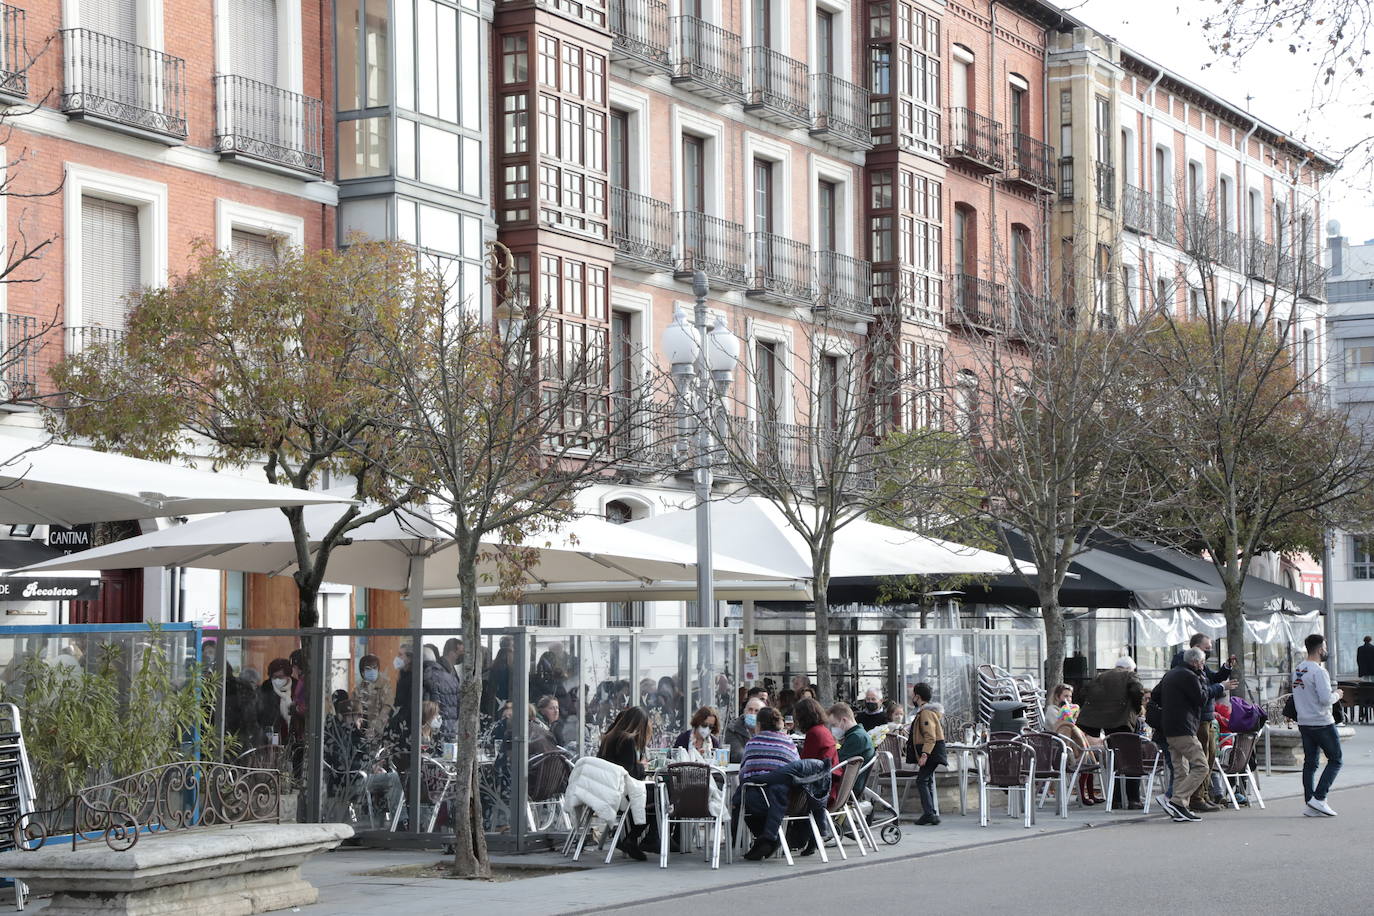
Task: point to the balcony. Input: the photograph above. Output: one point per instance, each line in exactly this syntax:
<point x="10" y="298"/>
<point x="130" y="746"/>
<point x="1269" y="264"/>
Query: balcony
<point x="707" y="59"/>
<point x="974" y="140"/>
<point x="1030" y="312"/>
<point x="1032" y="163"/>
<point x="1261" y="260"/>
<point x="263" y="125"/>
<point x="777" y="89"/>
<point x="642" y="230"/>
<point x="129" y="88"/>
<point x="1106" y="186"/>
<point x="978" y="303"/>
<point x="1135" y="209"/>
<point x="1165" y="220"/>
<point x="1311" y="280"/>
<point x="82" y="337"/>
<point x="844" y="284"/>
<point x="712" y="245"/>
<point x="1230" y="250"/>
<point x="780" y="269"/>
<point x="1200" y="235"/>
<point x="14" y="63"/>
<point x="641" y="33"/>
<point x="648" y="440"/>
<point x="841" y="112"/>
<point x="19" y="358"/>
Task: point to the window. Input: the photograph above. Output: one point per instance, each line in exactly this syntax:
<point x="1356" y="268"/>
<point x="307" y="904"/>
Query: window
<point x="362" y="42"/>
<point x="961" y="78"/>
<point x="761" y="26"/>
<point x="252" y="248"/>
<point x="252" y="39"/>
<point x="1256" y="215"/>
<point x="1225" y="201"/>
<point x="766" y="379"/>
<point x="1103" y="134"/>
<point x="1196" y="203"/>
<point x="965" y="240"/>
<point x="1128" y="280"/>
<point x="515" y="59"/>
<point x="364" y="148"/>
<point x="825" y="41"/>
<point x="827" y="216"/>
<point x="111" y="260"/>
<point x="539" y="615"/>
<point x="1164" y="181"/>
<point x="1066" y="122"/>
<point x="763" y="195"/>
<point x="625" y="614"/>
<point x="1018" y="103"/>
<point x="693" y="173"/>
<point x="832" y="395"/>
<point x="966" y="401"/>
<point x="620" y="149"/>
<point x="1359" y="362"/>
<point x="1307" y="357"/>
<point x="1195" y="303"/>
<point x="622" y="355"/>
<point x="1021" y="257"/>
<point x="1361" y="558"/>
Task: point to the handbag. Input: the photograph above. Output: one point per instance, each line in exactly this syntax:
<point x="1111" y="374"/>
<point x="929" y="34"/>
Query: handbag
<point x="1290" y="709"/>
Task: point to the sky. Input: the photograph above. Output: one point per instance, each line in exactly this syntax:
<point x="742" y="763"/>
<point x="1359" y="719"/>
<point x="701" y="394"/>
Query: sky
<point x="1279" y="84"/>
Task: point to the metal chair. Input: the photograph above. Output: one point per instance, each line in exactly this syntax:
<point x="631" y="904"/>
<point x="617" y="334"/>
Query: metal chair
<point x="1011" y="769"/>
<point x="842" y="804"/>
<point x="799" y="809"/>
<point x="1132" y="757"/>
<point x="1234" y="765"/>
<point x="684" y="798"/>
<point x="1051" y="766"/>
<point x="436" y="788"/>
<point x="548" y="780"/>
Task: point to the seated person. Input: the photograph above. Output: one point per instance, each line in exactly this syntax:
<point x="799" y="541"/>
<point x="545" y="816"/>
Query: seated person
<point x="769" y="752"/>
<point x="871" y="713"/>
<point x="853" y="741"/>
<point x="744" y="727"/>
<point x="819" y="743"/>
<point x="624" y="744"/>
<point x="704" y="734"/>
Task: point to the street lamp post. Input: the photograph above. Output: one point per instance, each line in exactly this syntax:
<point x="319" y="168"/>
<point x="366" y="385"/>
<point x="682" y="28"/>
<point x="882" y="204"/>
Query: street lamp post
<point x="703" y="355"/>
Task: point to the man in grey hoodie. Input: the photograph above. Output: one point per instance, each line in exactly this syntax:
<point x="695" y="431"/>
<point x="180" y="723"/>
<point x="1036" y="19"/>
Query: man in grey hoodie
<point x="1313" y="699"/>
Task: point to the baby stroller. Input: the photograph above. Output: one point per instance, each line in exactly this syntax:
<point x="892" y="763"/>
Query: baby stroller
<point x="883" y="814"/>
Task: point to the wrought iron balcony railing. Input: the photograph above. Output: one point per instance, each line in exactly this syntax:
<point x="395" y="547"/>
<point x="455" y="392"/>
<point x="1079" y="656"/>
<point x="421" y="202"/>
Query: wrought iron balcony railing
<point x="974" y="139"/>
<point x="843" y="283"/>
<point x="80" y="337"/>
<point x="1230" y="250"/>
<point x="707" y="59"/>
<point x="642" y="230"/>
<point x="777" y="88"/>
<point x="1311" y="280"/>
<point x="646" y="435"/>
<point x="841" y="110"/>
<point x="258" y="121"/>
<point x="1165" y="220"/>
<point x="1106" y="186"/>
<point x="1200" y="235"/>
<point x="123" y="84"/>
<point x="1261" y="260"/>
<point x="1135" y="209"/>
<point x="14" y="62"/>
<point x="641" y="34"/>
<point x="712" y="245"/>
<point x="780" y="269"/>
<point x="1031" y="313"/>
<point x="19" y="357"/>
<point x="1032" y="162"/>
<point x="978" y="302"/>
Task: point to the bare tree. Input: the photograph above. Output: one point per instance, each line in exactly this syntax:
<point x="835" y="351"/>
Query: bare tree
<point x="864" y="438"/>
<point x="505" y="423"/>
<point x="1242" y="440"/>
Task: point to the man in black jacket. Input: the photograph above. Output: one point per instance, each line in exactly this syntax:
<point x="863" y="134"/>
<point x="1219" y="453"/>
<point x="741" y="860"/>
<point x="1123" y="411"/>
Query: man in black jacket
<point x="1364" y="659"/>
<point x="1215" y="683"/>
<point x="1181" y="696"/>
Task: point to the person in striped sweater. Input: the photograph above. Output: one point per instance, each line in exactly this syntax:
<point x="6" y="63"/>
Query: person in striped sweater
<point x="768" y="752"/>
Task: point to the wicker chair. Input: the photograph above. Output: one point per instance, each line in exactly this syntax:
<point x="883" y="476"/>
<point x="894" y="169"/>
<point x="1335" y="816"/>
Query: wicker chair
<point x="1052" y="755"/>
<point x="684" y="798"/>
<point x="1011" y="769"/>
<point x="1133" y="757"/>
<point x="548" y="780"/>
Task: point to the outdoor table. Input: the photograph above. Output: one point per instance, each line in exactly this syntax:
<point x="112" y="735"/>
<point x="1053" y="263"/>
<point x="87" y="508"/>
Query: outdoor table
<point x="964" y="751"/>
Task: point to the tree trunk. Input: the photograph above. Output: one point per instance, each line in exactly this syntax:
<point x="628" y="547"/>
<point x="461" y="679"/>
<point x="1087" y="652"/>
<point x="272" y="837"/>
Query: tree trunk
<point x="825" y="684"/>
<point x="470" y="858"/>
<point x="1235" y="633"/>
<point x="1053" y="616"/>
<point x="307" y="612"/>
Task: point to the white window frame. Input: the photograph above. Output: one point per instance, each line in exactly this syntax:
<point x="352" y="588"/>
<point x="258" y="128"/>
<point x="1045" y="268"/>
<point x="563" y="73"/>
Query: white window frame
<point x="149" y="21"/>
<point x="231" y="215"/>
<point x="636" y="105"/>
<point x="781" y="337"/>
<point x="842" y="177"/>
<point x="713" y="132"/>
<point x="842" y="16"/>
<point x="641" y="308"/>
<point x="780" y="154"/>
<point x="290" y="63"/>
<point x="150" y="197"/>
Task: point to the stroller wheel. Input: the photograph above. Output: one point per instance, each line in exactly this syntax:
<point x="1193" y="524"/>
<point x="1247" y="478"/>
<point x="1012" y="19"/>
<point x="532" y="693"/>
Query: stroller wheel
<point x="891" y="834"/>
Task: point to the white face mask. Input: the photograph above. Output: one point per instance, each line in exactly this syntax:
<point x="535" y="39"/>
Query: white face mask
<point x="837" y="731"/>
<point x="703" y="731"/>
<point x="436" y="722"/>
<point x="281" y="683"/>
<point x="399" y="662"/>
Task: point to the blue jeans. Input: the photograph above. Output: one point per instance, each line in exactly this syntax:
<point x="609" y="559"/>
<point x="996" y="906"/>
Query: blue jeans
<point x="1328" y="741"/>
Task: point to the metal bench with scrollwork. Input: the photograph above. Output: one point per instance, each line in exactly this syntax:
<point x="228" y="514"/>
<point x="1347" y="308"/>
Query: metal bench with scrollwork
<point x="227" y="849"/>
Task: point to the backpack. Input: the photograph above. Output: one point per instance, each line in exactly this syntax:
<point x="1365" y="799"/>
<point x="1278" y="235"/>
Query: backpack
<point x="1246" y="716"/>
<point x="1154" y="713"/>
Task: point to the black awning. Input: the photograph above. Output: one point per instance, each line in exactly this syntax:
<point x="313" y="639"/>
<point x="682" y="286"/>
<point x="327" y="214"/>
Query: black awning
<point x="17" y="552"/>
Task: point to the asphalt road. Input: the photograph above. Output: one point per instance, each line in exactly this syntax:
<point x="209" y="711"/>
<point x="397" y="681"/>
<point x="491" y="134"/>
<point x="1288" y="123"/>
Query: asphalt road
<point x="1248" y="861"/>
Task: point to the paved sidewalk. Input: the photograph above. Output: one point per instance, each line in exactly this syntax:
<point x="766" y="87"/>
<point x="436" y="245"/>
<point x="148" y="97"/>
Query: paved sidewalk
<point x="346" y="891"/>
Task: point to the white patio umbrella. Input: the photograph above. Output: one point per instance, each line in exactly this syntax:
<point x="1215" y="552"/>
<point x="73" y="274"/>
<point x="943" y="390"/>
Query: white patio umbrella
<point x="398" y="551"/>
<point x="61" y="484"/>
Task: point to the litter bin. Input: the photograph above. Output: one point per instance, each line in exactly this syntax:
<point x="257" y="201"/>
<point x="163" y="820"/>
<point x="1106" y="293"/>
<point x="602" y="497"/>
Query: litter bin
<point x="1007" y="716"/>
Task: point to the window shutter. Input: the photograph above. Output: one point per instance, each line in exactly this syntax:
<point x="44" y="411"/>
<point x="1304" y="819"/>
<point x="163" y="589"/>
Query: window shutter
<point x="110" y="261"/>
<point x="253" y="40"/>
<point x="116" y="18"/>
<point x="252" y="248"/>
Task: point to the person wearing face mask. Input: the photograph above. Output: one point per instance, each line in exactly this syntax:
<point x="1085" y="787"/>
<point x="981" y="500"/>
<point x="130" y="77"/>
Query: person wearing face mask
<point x="276" y="705"/>
<point x="853" y="739"/>
<point x="871" y="714"/>
<point x="744" y="727"/>
<point x="926" y="749"/>
<point x="368" y="705"/>
<point x="704" y="734"/>
<point x="1313" y="699"/>
<point x="1214" y="684"/>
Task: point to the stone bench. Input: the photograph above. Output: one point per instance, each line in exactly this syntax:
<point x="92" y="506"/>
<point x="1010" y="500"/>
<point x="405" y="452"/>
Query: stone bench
<point x="225" y="871"/>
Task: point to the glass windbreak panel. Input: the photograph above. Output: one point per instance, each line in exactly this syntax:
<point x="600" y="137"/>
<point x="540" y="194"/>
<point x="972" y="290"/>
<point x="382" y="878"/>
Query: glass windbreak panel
<point x="872" y="662"/>
<point x="553" y="689"/>
<point x="662" y="674"/>
<point x="958" y="676"/>
<point x="607" y="673"/>
<point x="712" y="681"/>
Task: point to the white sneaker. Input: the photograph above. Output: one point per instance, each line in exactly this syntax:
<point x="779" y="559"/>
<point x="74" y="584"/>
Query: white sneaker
<point x="1309" y="811"/>
<point x="1320" y="806"/>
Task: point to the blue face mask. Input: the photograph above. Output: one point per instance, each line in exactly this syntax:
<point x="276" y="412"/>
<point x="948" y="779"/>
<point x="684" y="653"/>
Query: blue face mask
<point x="369" y="674"/>
<point x="750" y="719"/>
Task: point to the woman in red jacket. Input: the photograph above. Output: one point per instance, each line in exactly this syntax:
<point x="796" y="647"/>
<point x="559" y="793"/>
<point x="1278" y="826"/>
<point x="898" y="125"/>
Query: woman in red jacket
<point x="809" y="719"/>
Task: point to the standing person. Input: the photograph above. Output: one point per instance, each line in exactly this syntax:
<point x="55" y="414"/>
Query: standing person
<point x="1113" y="706"/>
<point x="441" y="686"/>
<point x="1215" y="683"/>
<point x="926" y="748"/>
<point x="743" y="727"/>
<point x="1364" y="660"/>
<point x="1313" y="699"/>
<point x="1181" y="696"/>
